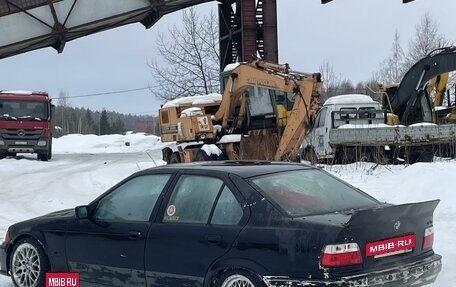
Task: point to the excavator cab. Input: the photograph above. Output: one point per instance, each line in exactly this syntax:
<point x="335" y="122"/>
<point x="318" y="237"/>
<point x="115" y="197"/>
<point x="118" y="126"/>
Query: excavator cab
<point x="261" y="111"/>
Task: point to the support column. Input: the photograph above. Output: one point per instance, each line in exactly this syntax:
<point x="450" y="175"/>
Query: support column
<point x="271" y="47"/>
<point x="247" y="28"/>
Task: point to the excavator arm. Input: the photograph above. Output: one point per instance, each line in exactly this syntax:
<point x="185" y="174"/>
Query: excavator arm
<point x="410" y="101"/>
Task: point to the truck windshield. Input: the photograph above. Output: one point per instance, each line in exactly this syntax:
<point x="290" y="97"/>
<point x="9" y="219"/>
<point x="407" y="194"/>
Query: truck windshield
<point x="24" y="110"/>
<point x="310" y="191"/>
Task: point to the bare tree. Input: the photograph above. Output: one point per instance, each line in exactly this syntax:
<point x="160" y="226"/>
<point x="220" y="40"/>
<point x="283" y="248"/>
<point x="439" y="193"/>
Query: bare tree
<point x="189" y="59"/>
<point x="63" y="100"/>
<point x="427" y="38"/>
<point x="394" y="67"/>
<point x="331" y="80"/>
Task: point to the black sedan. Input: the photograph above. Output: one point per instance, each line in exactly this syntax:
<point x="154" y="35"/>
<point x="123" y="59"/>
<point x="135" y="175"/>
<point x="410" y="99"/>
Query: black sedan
<point x="228" y="224"/>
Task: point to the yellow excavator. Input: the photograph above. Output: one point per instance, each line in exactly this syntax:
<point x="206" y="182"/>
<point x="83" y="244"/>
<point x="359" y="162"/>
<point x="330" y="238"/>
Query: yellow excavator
<point x="263" y="113"/>
<point x="410" y="100"/>
<point x="436" y="88"/>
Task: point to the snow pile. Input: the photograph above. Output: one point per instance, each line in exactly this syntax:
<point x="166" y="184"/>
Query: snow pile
<point x="422" y="124"/>
<point x="195" y="100"/>
<point x="350" y="99"/>
<point x="17" y="92"/>
<point x="130" y="143"/>
<point x="231" y="67"/>
<point x="364" y="126"/>
<point x="211" y="149"/>
<point x="193" y="111"/>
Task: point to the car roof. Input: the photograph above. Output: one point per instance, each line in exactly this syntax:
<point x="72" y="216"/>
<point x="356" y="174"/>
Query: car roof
<point x="244" y="169"/>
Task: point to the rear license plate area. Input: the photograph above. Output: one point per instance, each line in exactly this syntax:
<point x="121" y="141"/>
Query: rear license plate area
<point x="392" y="246"/>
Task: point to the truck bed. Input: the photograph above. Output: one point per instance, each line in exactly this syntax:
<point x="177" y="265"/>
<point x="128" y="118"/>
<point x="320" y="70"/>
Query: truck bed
<point x="414" y="135"/>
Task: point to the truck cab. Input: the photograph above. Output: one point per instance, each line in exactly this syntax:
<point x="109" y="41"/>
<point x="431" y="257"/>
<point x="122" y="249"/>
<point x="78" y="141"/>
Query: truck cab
<point x="339" y="112"/>
<point x="25" y="124"/>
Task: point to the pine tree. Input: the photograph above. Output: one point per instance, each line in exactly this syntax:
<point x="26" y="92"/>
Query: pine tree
<point x="91" y="127"/>
<point x="105" y="127"/>
<point x="118" y="126"/>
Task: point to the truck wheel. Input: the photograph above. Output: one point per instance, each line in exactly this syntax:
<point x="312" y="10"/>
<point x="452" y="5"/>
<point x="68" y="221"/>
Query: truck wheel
<point x="49" y="155"/>
<point x="43" y="156"/>
<point x="175" y="158"/>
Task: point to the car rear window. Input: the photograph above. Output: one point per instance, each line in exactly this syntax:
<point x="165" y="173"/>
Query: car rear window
<point x="311" y="191"/>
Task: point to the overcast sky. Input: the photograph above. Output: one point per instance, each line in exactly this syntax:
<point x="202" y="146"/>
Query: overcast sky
<point x="353" y="35"/>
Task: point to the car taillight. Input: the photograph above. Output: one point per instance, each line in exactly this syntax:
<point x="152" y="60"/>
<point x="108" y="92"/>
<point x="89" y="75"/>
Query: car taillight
<point x="428" y="239"/>
<point x="341" y="255"/>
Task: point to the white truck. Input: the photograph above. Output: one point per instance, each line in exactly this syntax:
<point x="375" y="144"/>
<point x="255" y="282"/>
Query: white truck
<point x="349" y="128"/>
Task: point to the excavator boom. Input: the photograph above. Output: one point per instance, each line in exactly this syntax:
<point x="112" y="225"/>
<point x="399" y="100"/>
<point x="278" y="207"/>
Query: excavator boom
<point x="410" y="101"/>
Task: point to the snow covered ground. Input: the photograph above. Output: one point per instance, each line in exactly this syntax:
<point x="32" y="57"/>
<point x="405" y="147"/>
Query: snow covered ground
<point x="85" y="166"/>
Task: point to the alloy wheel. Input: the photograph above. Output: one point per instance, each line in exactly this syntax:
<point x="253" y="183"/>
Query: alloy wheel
<point x="25" y="267"/>
<point x="237" y="281"/>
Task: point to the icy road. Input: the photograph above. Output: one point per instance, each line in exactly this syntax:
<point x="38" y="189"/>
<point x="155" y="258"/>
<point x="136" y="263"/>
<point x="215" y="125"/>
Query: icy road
<point x="85" y="166"/>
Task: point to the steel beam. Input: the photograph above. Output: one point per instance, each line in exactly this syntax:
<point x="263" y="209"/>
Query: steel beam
<point x="248" y="28"/>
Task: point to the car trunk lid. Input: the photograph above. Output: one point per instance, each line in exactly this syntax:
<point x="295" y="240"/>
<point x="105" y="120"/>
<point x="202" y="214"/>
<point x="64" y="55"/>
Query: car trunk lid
<point x="390" y="234"/>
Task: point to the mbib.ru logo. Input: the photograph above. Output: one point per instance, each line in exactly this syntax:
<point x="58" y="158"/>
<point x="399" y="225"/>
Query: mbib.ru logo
<point x="62" y="279"/>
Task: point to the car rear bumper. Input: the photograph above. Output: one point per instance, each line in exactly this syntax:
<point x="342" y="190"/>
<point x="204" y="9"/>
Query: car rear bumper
<point x="3" y="268"/>
<point x="415" y="274"/>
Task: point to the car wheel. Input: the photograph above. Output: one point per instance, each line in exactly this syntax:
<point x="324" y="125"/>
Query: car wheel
<point x="239" y="279"/>
<point x="29" y="264"/>
<point x="3" y="155"/>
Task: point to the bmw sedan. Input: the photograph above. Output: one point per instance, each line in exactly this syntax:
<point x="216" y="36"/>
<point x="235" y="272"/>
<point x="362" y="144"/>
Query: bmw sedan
<point x="228" y="224"/>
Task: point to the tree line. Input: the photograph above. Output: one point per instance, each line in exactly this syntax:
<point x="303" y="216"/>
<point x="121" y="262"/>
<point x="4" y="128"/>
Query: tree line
<point x="71" y="120"/>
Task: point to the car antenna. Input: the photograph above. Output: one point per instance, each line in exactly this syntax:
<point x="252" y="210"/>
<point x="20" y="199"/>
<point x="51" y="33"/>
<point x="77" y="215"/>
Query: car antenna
<point x="147" y="152"/>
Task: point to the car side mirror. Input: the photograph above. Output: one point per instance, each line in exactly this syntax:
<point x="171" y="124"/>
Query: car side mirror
<point x="82" y="212"/>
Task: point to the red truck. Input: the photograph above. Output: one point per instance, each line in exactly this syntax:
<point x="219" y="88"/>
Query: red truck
<point x="25" y="124"/>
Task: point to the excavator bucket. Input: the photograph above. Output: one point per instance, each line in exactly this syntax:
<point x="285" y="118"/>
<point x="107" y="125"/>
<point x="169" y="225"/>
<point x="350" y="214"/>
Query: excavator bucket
<point x="258" y="145"/>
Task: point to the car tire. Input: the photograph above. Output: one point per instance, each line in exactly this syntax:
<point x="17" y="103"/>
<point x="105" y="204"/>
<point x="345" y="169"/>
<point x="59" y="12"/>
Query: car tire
<point x="3" y="155"/>
<point x="239" y="278"/>
<point x="29" y="264"/>
<point x="175" y="158"/>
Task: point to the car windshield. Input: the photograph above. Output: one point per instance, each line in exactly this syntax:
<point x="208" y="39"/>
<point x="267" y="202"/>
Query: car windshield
<point x="23" y="110"/>
<point x="311" y="191"/>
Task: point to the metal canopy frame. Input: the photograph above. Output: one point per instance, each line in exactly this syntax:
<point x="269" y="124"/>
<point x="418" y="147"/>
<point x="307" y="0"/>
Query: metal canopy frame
<point x="52" y="22"/>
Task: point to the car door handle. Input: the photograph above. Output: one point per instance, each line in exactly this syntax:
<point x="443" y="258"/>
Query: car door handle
<point x="214" y="238"/>
<point x="134" y="234"/>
